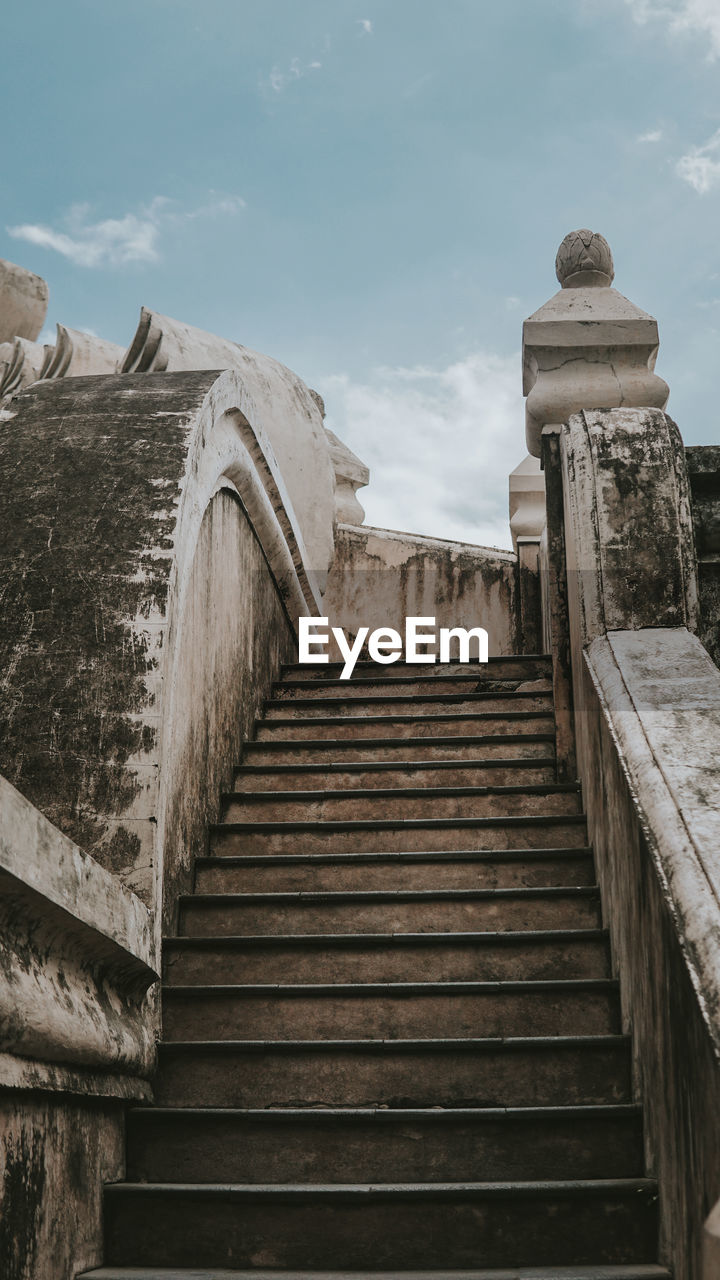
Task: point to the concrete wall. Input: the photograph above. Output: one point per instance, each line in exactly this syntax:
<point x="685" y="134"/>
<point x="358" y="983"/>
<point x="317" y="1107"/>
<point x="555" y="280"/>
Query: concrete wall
<point x="379" y="577"/>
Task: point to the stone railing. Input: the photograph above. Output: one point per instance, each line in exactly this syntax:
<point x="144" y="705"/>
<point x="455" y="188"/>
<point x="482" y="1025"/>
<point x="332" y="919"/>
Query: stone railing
<point x="76" y="1039"/>
<point x="638" y="701"/>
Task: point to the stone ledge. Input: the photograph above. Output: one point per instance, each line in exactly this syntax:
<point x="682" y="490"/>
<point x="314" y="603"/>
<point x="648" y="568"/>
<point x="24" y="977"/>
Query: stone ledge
<point x="77" y="964"/>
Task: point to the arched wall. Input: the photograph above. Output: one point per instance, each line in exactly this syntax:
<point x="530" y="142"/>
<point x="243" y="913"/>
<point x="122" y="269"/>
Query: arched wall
<point x="150" y="582"/>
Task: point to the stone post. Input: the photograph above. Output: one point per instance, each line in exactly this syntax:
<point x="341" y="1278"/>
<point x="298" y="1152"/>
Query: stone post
<point x="588" y="348"/>
<point x="527" y="521"/>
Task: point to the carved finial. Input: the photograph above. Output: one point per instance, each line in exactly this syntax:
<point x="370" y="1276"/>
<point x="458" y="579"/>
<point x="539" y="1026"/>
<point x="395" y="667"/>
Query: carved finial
<point x="584" y="260"/>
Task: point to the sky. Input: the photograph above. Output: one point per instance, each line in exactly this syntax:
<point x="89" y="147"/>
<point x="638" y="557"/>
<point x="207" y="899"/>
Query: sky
<point x="373" y="192"/>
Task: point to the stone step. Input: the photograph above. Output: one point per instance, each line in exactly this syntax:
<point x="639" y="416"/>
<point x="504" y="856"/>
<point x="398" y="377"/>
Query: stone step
<point x="406" y="835"/>
<point x="436" y="680"/>
<point x="400" y="802"/>
<point x="391" y="1010"/>
<point x="427" y="1225"/>
<point x="460" y="869"/>
<point x="534" y="1071"/>
<point x="294" y="728"/>
<point x="639" y="1272"/>
<point x="416" y="750"/>
<point x="391" y="774"/>
<point x="342" y="1145"/>
<point x="420" y="911"/>
<point x="523" y="667"/>
<point x="452" y="957"/>
<point x="417" y="705"/>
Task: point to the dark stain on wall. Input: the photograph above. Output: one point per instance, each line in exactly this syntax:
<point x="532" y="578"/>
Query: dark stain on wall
<point x="90" y="472"/>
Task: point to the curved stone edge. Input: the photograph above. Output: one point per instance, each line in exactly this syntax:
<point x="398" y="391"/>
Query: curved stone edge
<point x="291" y="416"/>
<point x="78" y="354"/>
<point x="20" y="365"/>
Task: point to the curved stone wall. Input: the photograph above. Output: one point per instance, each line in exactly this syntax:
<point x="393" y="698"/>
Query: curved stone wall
<point x="152" y="571"/>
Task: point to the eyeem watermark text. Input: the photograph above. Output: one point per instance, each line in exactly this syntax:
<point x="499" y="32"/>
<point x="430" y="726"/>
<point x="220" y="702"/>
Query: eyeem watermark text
<point x="422" y="643"/>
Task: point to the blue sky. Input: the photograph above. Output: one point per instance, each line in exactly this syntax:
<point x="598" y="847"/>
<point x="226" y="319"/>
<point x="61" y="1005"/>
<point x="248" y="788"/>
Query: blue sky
<point x="373" y="191"/>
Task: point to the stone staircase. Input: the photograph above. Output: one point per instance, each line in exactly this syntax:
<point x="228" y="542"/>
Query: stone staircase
<point x="392" y="1044"/>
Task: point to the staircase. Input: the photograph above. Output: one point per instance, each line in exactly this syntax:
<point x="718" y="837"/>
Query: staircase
<point x="391" y="1039"/>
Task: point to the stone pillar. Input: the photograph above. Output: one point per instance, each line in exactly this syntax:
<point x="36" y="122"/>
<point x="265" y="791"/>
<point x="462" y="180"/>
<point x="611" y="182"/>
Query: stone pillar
<point x="588" y="348"/>
<point x="527" y="521"/>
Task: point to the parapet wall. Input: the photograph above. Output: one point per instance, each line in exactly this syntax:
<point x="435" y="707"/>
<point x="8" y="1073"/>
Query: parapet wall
<point x="380" y="577"/>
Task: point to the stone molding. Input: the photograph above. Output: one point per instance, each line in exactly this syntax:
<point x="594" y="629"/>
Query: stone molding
<point x="78" y="959"/>
<point x="78" y="354"/>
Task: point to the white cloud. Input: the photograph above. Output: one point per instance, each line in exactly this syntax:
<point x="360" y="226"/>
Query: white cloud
<point x="699" y="17"/>
<point x="366" y="25"/>
<point x="655" y="135"/>
<point x="700" y="166"/>
<point x="440" y="444"/>
<point x="135" y="237"/>
<point x="279" y="79"/>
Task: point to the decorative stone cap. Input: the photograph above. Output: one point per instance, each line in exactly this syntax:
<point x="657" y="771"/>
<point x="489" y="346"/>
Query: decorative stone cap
<point x="584" y="259"/>
<point x="588" y="347"/>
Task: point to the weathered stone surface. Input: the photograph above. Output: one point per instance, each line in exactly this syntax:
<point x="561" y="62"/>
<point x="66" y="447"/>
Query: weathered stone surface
<point x="20" y="365"/>
<point x="648" y="720"/>
<point x="77" y="952"/>
<point x="104" y="603"/>
<point x="379" y="577"/>
<point x="55" y="1155"/>
<point x="23" y="302"/>
<point x="630" y="553"/>
<point x="291" y="418"/>
<point x="350" y="475"/>
<point x="588" y="347"/>
<point x="78" y="354"/>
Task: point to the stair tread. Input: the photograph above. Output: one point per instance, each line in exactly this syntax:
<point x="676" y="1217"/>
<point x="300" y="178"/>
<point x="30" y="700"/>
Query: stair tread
<point x="356" y="766"/>
<point x="387" y="824"/>
<point x="339" y="989"/>
<point x="380" y="793"/>
<point x="384" y="698"/>
<point x="395" y="895"/>
<point x="604" y="1110"/>
<point x="408" y="718"/>
<point x="602" y="1272"/>
<point x="416" y="1190"/>
<point x="378" y="1045"/>
<point x="386" y="939"/>
<point x="441" y="739"/>
<point x="439" y="855"/>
